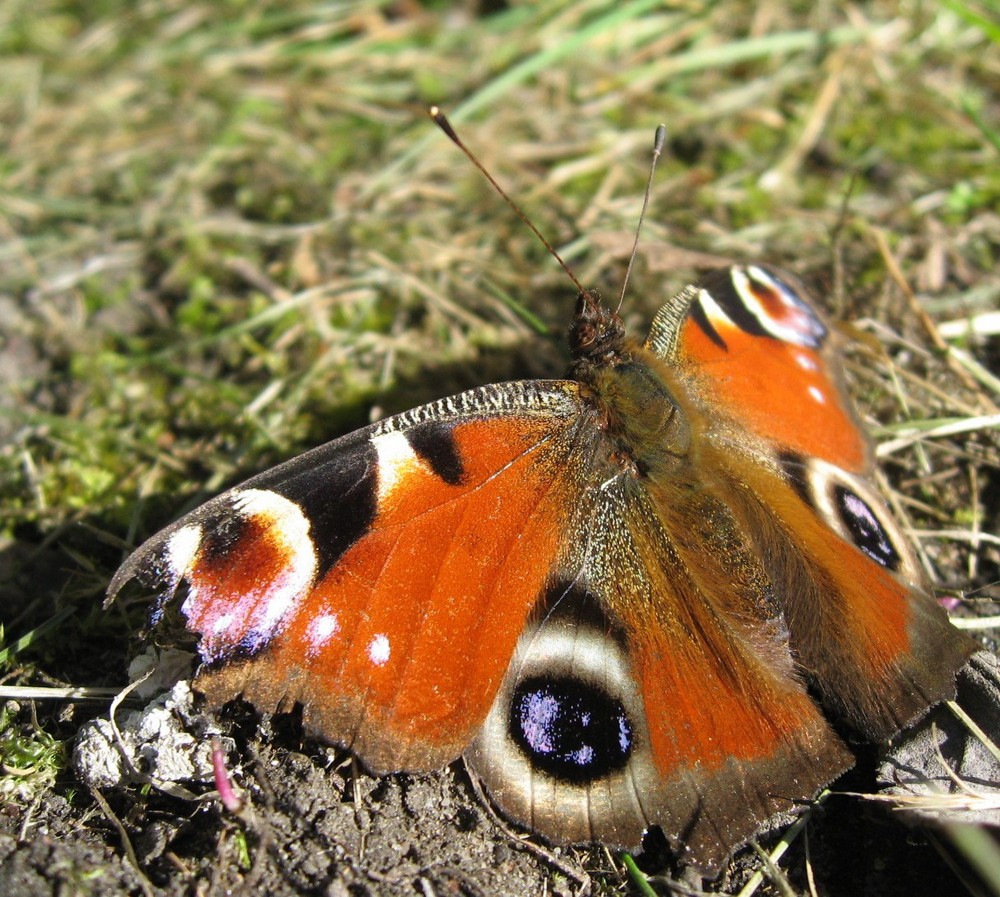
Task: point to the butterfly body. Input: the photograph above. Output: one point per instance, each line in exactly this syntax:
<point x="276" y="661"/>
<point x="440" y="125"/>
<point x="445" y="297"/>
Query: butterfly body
<point x="632" y="597"/>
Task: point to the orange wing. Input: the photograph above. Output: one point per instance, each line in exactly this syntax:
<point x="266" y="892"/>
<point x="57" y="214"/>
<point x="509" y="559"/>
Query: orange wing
<point x="381" y="580"/>
<point x="480" y="571"/>
<point x="760" y="379"/>
<point x="655" y="685"/>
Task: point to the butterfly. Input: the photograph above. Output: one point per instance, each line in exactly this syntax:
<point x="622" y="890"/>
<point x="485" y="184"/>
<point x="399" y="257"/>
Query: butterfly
<point x="659" y="592"/>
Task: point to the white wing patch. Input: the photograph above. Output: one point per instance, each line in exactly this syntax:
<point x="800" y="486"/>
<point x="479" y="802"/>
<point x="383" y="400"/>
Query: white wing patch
<point x="396" y="458"/>
<point x="379" y="650"/>
<point x="320" y="630"/>
<point x="182" y="548"/>
<point x="713" y="311"/>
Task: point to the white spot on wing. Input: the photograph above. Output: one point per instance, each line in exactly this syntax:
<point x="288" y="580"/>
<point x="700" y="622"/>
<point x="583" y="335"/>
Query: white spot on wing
<point x="806" y="362"/>
<point x="379" y="650"/>
<point x="182" y="547"/>
<point x="817" y="395"/>
<point x="395" y="458"/>
<point x="264" y="502"/>
<point x="223" y="622"/>
<point x="320" y="630"/>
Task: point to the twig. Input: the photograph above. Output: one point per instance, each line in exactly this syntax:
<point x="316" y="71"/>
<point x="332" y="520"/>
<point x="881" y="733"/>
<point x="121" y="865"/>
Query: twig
<point x="144" y="883"/>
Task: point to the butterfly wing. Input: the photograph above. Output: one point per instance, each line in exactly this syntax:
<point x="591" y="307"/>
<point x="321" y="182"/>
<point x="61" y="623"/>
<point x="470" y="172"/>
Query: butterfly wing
<point x="777" y="426"/>
<point x="612" y="591"/>
<point x="382" y="580"/>
<point x="482" y="565"/>
<point x="655" y="684"/>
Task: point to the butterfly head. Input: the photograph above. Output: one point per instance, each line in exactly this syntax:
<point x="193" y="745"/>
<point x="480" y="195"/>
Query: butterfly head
<point x="596" y="334"/>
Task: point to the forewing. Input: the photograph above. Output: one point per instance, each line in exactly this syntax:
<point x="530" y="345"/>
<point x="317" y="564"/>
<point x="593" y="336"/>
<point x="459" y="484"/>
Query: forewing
<point x="760" y="354"/>
<point x="382" y="580"/>
<point x="761" y="380"/>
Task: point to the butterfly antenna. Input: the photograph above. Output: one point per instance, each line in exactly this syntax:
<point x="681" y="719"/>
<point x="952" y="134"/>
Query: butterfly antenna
<point x="658" y="140"/>
<point x="442" y="122"/>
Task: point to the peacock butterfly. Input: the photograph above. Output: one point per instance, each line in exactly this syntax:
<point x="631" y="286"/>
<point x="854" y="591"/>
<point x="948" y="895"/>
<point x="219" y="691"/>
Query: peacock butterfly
<point x="639" y="596"/>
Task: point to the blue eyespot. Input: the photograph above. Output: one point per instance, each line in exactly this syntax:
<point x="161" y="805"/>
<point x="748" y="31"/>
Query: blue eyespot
<point x="865" y="529"/>
<point x="570" y="729"/>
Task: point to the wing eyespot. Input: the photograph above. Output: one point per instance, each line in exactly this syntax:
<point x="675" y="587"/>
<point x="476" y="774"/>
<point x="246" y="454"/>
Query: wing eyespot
<point x="568" y="730"/>
<point x="851" y="509"/>
<point x="865" y="529"/>
<point x="247" y="560"/>
<point x="566" y="745"/>
<point x="757" y="301"/>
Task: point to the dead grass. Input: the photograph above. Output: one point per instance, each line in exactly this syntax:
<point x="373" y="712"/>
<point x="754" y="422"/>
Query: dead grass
<point x="228" y="232"/>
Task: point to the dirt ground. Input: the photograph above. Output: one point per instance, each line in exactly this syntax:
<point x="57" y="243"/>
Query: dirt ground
<point x="314" y="825"/>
